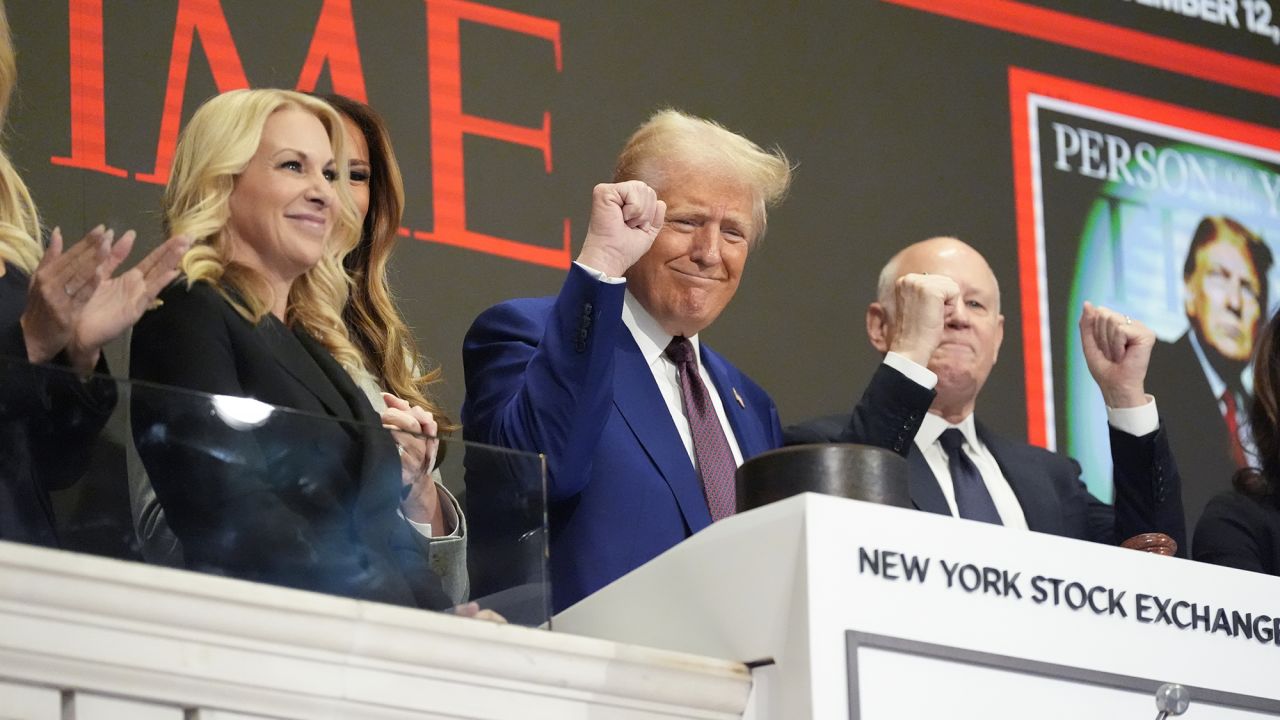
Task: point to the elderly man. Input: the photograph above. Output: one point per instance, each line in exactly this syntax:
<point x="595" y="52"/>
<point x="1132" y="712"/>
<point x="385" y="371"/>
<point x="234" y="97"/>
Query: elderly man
<point x="642" y="425"/>
<point x="938" y="322"/>
<point x="1201" y="375"/>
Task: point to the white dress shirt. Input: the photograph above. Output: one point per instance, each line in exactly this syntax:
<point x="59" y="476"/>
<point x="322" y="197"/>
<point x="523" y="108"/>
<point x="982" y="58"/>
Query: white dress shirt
<point x="653" y="341"/>
<point x="1137" y="421"/>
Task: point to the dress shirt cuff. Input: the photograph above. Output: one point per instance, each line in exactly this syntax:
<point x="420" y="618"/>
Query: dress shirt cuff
<point x="449" y="508"/>
<point x="599" y="275"/>
<point x="1137" y="421"/>
<point x="919" y="374"/>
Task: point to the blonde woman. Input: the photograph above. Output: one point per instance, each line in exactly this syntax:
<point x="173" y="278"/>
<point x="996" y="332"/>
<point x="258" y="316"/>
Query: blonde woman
<point x="58" y="308"/>
<point x="260" y="183"/>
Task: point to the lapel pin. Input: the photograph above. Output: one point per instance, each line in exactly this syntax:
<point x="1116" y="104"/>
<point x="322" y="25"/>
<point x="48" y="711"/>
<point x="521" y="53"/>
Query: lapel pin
<point x="738" y="397"/>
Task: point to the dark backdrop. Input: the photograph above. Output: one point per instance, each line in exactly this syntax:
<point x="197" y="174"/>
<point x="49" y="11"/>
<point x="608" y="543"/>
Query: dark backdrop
<point x="897" y="118"/>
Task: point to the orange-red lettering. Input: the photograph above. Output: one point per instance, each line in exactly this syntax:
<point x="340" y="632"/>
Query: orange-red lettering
<point x="205" y="17"/>
<point x="449" y="124"/>
<point x="335" y="40"/>
<point x="88" y="109"/>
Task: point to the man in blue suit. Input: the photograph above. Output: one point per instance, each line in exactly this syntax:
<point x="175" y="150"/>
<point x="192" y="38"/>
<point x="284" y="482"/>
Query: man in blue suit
<point x="642" y="425"/>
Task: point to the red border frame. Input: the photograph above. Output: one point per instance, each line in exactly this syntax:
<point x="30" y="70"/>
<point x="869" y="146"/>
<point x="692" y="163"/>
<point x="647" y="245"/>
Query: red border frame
<point x="1025" y="82"/>
<point x="1103" y="38"/>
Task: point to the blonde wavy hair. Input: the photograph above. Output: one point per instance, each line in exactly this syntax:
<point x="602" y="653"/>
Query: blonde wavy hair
<point x="19" y="222"/>
<point x="375" y="323"/>
<point x="214" y="149"/>
<point x="671" y="141"/>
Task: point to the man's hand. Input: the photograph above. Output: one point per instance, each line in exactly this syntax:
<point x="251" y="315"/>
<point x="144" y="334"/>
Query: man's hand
<point x="922" y="305"/>
<point x="625" y="219"/>
<point x="1117" y="350"/>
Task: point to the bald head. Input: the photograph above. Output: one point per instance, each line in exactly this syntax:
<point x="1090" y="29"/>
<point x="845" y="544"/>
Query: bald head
<point x="973" y="328"/>
<point x="934" y="255"/>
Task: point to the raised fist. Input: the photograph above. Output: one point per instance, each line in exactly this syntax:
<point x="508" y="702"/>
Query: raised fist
<point x="625" y="219"/>
<point x="1117" y="350"/>
<point x="922" y="304"/>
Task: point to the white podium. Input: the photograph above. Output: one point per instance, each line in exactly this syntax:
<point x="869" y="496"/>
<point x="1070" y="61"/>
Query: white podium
<point x="851" y="610"/>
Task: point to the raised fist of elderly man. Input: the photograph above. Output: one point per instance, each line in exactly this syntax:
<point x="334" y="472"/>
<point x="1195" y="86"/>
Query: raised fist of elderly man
<point x="922" y="304"/>
<point x="625" y="219"/>
<point x="1117" y="349"/>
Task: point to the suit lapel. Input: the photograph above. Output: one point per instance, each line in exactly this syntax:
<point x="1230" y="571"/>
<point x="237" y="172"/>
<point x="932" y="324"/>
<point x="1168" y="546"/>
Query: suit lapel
<point x="746" y="427"/>
<point x="640" y="403"/>
<point x="1030" y="485"/>
<point x="926" y="494"/>
<point x="378" y="496"/>
<point x="292" y="353"/>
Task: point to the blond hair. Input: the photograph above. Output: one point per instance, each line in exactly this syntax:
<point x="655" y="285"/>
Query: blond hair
<point x="670" y="141"/>
<point x="19" y="221"/>
<point x="216" y="146"/>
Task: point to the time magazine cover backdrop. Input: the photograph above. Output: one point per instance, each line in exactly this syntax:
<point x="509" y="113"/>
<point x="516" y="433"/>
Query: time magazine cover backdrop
<point x="899" y="113"/>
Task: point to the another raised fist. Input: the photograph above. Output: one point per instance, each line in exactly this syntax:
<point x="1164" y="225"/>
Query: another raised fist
<point x="922" y="304"/>
<point x="1117" y="350"/>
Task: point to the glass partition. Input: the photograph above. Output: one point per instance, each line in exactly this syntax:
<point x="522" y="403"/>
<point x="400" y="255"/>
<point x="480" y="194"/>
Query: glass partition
<point x="236" y="487"/>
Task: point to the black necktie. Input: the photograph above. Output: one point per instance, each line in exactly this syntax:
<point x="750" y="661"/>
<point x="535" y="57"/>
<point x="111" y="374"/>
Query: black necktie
<point x="972" y="499"/>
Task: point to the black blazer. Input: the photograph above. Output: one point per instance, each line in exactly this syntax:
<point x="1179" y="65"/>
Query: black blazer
<point x="1047" y="484"/>
<point x="300" y="500"/>
<point x="48" y="422"/>
<point x="1240" y="532"/>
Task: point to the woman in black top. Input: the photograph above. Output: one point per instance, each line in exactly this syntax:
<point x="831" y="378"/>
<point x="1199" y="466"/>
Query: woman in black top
<point x="1241" y="528"/>
<point x="306" y="499"/>
<point x="56" y="308"/>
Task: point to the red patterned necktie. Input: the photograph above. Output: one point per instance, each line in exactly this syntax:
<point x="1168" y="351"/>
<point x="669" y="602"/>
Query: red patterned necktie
<point x="716" y="465"/>
<point x="1233" y="429"/>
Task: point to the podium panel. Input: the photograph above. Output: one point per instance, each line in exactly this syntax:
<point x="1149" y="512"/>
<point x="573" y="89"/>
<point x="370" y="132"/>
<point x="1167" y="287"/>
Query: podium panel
<point x="784" y="584"/>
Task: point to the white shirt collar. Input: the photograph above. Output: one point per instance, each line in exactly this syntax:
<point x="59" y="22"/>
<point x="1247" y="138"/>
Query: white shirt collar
<point x="649" y="335"/>
<point x="932" y="427"/>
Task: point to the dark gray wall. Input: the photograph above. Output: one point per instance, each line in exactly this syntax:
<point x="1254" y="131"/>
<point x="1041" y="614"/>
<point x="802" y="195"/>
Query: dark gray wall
<point x="898" y="119"/>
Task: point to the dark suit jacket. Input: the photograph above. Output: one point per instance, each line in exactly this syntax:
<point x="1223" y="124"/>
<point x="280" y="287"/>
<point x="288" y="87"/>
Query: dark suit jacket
<point x="563" y="376"/>
<point x="48" y="422"/>
<point x="1190" y="414"/>
<point x="301" y="500"/>
<point x="1240" y="532"/>
<point x="1047" y="484"/>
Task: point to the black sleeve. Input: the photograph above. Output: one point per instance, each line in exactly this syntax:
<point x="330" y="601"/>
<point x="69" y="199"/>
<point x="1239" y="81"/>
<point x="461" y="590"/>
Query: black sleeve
<point x="1239" y="532"/>
<point x="1148" y="489"/>
<point x="61" y="414"/>
<point x="888" y="415"/>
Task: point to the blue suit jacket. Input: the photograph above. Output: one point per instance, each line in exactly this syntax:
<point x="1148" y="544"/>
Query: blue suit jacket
<point x="563" y="376"/>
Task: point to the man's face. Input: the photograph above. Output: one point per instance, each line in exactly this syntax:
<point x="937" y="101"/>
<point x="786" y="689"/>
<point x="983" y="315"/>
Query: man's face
<point x="692" y="270"/>
<point x="971" y="341"/>
<point x="1223" y="297"/>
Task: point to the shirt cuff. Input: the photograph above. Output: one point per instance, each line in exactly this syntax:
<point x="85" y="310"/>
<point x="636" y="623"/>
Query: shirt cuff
<point x="448" y="508"/>
<point x="599" y="275"/>
<point x="1137" y="421"/>
<point x="914" y="371"/>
